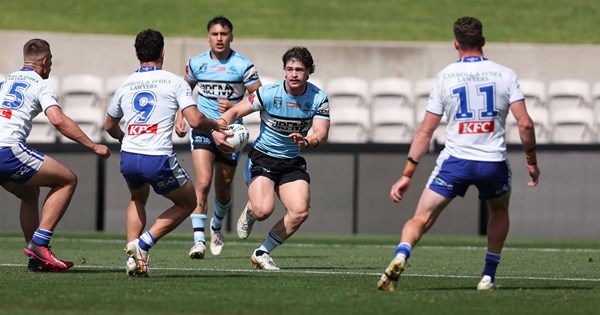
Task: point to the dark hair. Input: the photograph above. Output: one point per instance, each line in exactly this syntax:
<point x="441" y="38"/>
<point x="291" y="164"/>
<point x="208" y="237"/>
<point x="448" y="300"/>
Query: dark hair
<point x="221" y="20"/>
<point x="468" y="31"/>
<point x="148" y="45"/>
<point x="36" y="48"/>
<point x="301" y="54"/>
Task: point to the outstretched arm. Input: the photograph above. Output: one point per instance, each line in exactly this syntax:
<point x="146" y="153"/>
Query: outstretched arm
<point x="527" y="134"/>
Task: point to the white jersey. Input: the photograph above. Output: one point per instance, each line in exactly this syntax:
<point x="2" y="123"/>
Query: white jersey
<point x="148" y="102"/>
<point x="23" y="95"/>
<point x="475" y="95"/>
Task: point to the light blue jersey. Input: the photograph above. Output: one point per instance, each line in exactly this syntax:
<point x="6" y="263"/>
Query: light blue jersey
<point x="220" y="79"/>
<point x="282" y="114"/>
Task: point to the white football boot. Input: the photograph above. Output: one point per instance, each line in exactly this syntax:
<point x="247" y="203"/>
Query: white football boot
<point x="486" y="284"/>
<point x="263" y="262"/>
<point x="245" y="223"/>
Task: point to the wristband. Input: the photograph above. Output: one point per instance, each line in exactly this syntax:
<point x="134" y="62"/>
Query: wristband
<point x="225" y="123"/>
<point x="410" y="167"/>
<point x="531" y="157"/>
<point x="311" y="142"/>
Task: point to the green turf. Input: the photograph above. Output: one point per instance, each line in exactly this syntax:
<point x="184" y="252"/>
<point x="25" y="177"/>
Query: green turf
<point x="534" y="21"/>
<point x="320" y="275"/>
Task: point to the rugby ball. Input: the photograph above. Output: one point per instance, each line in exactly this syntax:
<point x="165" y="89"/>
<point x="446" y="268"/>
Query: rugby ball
<point x="240" y="136"/>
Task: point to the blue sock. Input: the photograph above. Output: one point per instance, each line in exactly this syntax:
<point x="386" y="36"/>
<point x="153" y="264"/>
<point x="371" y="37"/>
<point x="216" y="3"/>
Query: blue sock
<point x="491" y="263"/>
<point x="220" y="213"/>
<point x="272" y="241"/>
<point x="42" y="237"/>
<point x="198" y="225"/>
<point x="404" y="249"/>
<point x="147" y="241"/>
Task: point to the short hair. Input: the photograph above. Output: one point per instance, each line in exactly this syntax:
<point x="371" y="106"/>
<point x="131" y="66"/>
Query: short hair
<point x="468" y="31"/>
<point x="221" y="20"/>
<point x="35" y="50"/>
<point x="300" y="54"/>
<point x="149" y="45"/>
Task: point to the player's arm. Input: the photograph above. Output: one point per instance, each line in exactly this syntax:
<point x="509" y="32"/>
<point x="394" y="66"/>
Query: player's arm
<point x="417" y="150"/>
<point x="180" y="124"/>
<point x="71" y="130"/>
<point x="111" y="126"/>
<point x="239" y="110"/>
<point x="197" y="120"/>
<point x="527" y="135"/>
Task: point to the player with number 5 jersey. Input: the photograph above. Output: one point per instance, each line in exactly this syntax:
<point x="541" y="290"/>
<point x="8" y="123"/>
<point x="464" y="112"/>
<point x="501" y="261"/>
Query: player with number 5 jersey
<point x="476" y="95"/>
<point x="148" y="102"/>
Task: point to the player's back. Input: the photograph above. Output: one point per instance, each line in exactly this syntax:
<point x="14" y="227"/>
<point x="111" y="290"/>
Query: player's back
<point x="23" y="95"/>
<point x="148" y="102"/>
<point x="475" y="95"/>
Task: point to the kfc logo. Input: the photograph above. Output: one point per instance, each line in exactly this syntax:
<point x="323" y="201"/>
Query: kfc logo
<point x="476" y="127"/>
<point x="140" y="129"/>
<point x="6" y="113"/>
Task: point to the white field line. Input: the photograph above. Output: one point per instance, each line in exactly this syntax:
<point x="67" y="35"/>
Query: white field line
<point x="320" y="272"/>
<point x="304" y="245"/>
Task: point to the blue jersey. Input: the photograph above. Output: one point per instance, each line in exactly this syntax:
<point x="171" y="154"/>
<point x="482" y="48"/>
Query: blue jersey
<point x="220" y="79"/>
<point x="282" y="114"/>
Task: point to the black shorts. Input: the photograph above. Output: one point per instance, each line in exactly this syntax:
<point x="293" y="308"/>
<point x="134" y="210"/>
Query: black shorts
<point x="280" y="171"/>
<point x="202" y="140"/>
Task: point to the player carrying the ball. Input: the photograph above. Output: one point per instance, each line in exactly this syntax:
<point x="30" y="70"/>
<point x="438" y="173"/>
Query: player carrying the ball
<point x="288" y="109"/>
<point x="476" y="95"/>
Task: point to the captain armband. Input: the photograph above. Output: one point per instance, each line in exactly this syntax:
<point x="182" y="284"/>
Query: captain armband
<point x="410" y="167"/>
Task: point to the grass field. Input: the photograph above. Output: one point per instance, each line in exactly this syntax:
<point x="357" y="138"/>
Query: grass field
<point x="320" y="275"/>
<point x="534" y="21"/>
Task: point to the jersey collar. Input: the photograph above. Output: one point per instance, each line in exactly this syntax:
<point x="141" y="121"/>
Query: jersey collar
<point x="147" y="68"/>
<point x="472" y="59"/>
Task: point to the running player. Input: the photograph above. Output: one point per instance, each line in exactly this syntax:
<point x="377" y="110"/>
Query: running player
<point x="475" y="94"/>
<point x="222" y="76"/>
<point x="148" y="101"/>
<point x="23" y="170"/>
<point x="288" y="109"/>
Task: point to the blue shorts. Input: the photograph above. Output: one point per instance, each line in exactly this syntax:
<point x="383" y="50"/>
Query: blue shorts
<point x="19" y="163"/>
<point x="163" y="172"/>
<point x="280" y="171"/>
<point x="202" y="140"/>
<point x="452" y="176"/>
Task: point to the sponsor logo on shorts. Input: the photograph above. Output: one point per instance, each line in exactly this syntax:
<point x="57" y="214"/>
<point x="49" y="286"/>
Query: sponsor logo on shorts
<point x="469" y="127"/>
<point x="166" y="182"/>
<point x="140" y="129"/>
<point x="201" y="140"/>
<point x="440" y="182"/>
<point x="20" y="173"/>
<point x="6" y="113"/>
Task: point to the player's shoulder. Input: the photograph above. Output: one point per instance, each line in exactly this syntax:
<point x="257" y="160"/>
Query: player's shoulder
<point x="202" y="57"/>
<point x="239" y="58"/>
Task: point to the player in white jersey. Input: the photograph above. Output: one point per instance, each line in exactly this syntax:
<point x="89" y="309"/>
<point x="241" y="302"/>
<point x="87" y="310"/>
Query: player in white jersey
<point x="23" y="170"/>
<point x="475" y="95"/>
<point x="288" y="109"/>
<point x="221" y="76"/>
<point x="148" y="102"/>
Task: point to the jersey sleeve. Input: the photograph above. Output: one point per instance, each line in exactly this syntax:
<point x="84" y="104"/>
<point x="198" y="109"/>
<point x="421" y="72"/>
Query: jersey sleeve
<point x="189" y="72"/>
<point x="250" y="75"/>
<point x="184" y="95"/>
<point x="514" y="89"/>
<point x="115" y="110"/>
<point x="47" y="97"/>
<point x="435" y="104"/>
<point x="255" y="101"/>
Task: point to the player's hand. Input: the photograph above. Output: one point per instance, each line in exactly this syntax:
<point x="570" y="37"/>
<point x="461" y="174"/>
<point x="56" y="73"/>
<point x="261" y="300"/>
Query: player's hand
<point x="219" y="138"/>
<point x="101" y="150"/>
<point x="399" y="188"/>
<point x="224" y="105"/>
<point x="534" y="173"/>
<point x="298" y="139"/>
<point x="180" y="128"/>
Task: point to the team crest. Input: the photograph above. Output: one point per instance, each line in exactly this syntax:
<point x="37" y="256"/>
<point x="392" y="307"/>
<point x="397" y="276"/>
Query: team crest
<point x="277" y="102"/>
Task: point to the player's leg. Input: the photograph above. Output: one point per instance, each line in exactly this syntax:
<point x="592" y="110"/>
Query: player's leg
<point x="136" y="212"/>
<point x="29" y="210"/>
<point x="203" y="161"/>
<point x="497" y="231"/>
<point x="261" y="193"/>
<point x="429" y="207"/>
<point x="223" y="175"/>
<point x="62" y="183"/>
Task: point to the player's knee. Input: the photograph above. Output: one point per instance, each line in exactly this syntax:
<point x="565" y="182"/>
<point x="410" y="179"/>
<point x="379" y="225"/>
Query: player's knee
<point x="261" y="213"/>
<point x="299" y="217"/>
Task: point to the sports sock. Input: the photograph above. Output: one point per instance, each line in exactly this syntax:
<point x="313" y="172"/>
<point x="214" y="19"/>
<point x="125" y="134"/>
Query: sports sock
<point x="42" y="237"/>
<point x="403" y="249"/>
<point x="220" y="213"/>
<point x="491" y="263"/>
<point x="147" y="241"/>
<point x="272" y="241"/>
<point x="198" y="225"/>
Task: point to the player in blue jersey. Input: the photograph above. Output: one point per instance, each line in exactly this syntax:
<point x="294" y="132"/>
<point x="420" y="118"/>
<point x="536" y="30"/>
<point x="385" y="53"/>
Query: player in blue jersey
<point x="476" y="95"/>
<point x="23" y="170"/>
<point x="148" y="102"/>
<point x="288" y="109"/>
<point x="222" y="77"/>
